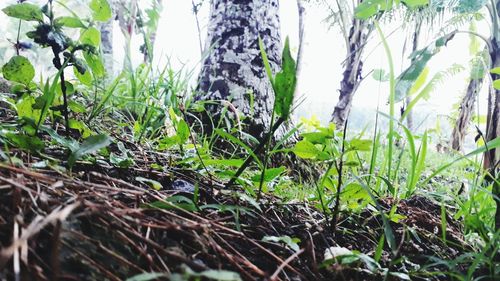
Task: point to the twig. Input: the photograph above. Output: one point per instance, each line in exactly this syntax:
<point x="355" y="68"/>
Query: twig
<point x="285" y="263"/>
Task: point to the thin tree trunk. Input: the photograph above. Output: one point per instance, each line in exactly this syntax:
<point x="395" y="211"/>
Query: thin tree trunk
<point x="107" y="46"/>
<point x="465" y="115"/>
<point x="358" y="36"/>
<point x="233" y="70"/>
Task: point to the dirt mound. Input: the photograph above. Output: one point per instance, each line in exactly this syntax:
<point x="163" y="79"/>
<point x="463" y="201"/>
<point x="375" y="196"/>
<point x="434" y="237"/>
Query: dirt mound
<point x="103" y="224"/>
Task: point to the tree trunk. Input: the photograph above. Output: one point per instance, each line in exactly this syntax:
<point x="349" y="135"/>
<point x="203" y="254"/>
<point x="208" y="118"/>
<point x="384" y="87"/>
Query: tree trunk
<point x="358" y="36"/>
<point x="233" y="70"/>
<point x="465" y="115"/>
<point x="106" y="29"/>
<point x="491" y="158"/>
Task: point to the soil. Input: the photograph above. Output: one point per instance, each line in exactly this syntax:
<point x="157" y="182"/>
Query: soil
<point x="100" y="223"/>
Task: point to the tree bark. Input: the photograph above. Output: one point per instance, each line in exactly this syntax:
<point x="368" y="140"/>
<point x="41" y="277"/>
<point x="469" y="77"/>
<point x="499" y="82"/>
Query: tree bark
<point x="106" y="29"/>
<point x="233" y="70"/>
<point x="465" y="115"/>
<point x="358" y="36"/>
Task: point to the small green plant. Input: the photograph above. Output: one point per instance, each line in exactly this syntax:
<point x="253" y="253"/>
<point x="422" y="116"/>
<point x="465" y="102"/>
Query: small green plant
<point x="49" y="33"/>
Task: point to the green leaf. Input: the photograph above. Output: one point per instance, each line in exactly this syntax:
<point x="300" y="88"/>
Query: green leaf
<point x="370" y="8"/>
<point x="76" y="107"/>
<point x="420" y="58"/>
<point x="182" y="131"/>
<point x="147" y="276"/>
<point x="412" y="4"/>
<point x="419" y="82"/>
<point x="90" y="145"/>
<point x="81" y="127"/>
<point x="19" y="69"/>
<point x="91" y="36"/>
<point x="496" y="84"/>
<point x="495" y="70"/>
<point x="292" y="243"/>
<point x="85" y="78"/>
<point x="101" y="10"/>
<point x="265" y="60"/>
<point x="24" y="11"/>
<point x="361" y="145"/>
<point x="270" y="174"/>
<point x="224" y="162"/>
<point x="212" y="274"/>
<point x="284" y="84"/>
<point x="306" y="150"/>
<point x="175" y="202"/>
<point x="95" y="63"/>
<point x="26" y="142"/>
<point x="152" y="183"/>
<point x="72" y="22"/>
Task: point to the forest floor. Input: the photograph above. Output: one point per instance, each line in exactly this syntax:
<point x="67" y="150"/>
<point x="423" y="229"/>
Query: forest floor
<point x="105" y="223"/>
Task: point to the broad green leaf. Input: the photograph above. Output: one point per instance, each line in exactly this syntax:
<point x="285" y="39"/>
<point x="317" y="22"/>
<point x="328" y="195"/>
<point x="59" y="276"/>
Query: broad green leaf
<point x="495" y="70"/>
<point x="76" y="107"/>
<point x="270" y="174"/>
<point x="72" y="22"/>
<point x="306" y="150"/>
<point x="91" y="36"/>
<point x="19" y="69"/>
<point x="90" y="145"/>
<point x="85" y="78"/>
<point x="370" y="8"/>
<point x="360" y="145"/>
<point x="24" y="11"/>
<point x="95" y="63"/>
<point x="81" y="127"/>
<point x="496" y="84"/>
<point x="26" y="142"/>
<point x="182" y="131"/>
<point x="101" y="10"/>
<point x="284" y="84"/>
<point x="420" y="58"/>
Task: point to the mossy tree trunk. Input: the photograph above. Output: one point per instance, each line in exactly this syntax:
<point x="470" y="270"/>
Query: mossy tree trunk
<point x="233" y="71"/>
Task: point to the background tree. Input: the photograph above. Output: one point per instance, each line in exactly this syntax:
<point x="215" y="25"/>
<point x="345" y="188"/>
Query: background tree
<point x="233" y="70"/>
<point x="106" y="30"/>
<point x="355" y="33"/>
<point x="466" y="108"/>
<point x="491" y="159"/>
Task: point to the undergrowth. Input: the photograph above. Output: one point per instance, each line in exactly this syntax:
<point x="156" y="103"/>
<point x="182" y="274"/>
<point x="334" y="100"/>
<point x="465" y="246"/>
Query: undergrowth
<point x="369" y="186"/>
